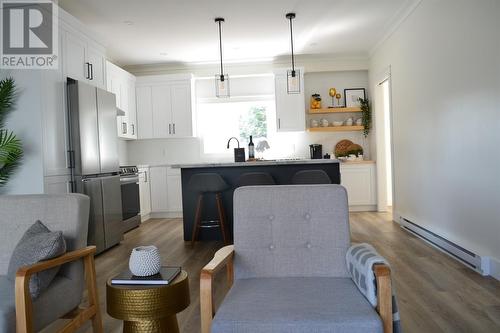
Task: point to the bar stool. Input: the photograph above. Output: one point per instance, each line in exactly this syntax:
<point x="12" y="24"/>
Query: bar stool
<point x="310" y="177"/>
<point x="208" y="183"/>
<point x="255" y="178"/>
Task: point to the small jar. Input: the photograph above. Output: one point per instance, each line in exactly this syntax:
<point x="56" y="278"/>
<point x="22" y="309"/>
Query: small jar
<point x="315" y="101"/>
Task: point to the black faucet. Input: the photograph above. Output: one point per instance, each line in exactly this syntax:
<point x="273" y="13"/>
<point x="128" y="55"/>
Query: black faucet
<point x="239" y="153"/>
<point x="229" y="141"/>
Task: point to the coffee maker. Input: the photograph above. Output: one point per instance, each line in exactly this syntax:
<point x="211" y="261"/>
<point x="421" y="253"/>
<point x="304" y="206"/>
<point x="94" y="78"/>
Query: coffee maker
<point x="316" y="151"/>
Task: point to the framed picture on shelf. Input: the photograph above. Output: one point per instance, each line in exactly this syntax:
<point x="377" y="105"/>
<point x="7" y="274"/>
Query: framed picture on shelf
<point x="352" y="96"/>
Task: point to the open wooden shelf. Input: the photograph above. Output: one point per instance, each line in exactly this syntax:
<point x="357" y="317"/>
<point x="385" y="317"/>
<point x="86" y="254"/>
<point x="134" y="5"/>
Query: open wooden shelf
<point x="335" y="129"/>
<point x="334" y="110"/>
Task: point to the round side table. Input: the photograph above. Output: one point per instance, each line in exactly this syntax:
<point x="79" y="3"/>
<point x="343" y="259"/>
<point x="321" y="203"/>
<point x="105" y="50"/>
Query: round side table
<point x="148" y="308"/>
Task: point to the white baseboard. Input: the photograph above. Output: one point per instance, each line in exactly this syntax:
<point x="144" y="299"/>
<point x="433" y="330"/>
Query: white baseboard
<point x="145" y="217"/>
<point x="492" y="267"/>
<point x="165" y="215"/>
<point x="363" y="208"/>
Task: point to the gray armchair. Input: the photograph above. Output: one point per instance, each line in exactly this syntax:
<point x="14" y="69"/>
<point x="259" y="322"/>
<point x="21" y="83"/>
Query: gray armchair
<point x="68" y="213"/>
<point x="287" y="267"/>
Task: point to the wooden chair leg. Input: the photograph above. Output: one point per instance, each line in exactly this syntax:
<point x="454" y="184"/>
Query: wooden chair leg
<point x="90" y="277"/>
<point x="197" y="220"/>
<point x="222" y="220"/>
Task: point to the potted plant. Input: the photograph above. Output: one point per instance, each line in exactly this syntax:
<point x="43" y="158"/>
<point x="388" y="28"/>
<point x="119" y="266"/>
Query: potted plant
<point x="11" y="150"/>
<point x="366" y="115"/>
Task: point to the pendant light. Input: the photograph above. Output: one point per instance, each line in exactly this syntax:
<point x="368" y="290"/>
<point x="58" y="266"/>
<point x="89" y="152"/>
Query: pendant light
<point x="221" y="80"/>
<point x="293" y="75"/>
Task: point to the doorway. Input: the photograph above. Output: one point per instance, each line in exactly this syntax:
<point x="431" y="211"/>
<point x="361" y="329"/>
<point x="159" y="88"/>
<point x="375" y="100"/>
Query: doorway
<point x="383" y="123"/>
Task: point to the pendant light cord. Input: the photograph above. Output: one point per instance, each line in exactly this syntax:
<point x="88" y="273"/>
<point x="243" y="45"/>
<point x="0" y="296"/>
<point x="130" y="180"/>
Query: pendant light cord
<point x="291" y="17"/>
<point x="220" y="50"/>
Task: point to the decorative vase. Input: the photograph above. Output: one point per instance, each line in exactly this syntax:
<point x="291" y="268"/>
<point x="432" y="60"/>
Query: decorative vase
<point x="145" y="261"/>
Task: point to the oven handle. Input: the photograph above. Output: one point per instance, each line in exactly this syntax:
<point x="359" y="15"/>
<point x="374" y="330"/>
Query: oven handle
<point x="129" y="180"/>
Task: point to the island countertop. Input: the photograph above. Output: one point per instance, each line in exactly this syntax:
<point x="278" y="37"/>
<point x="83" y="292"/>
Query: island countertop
<point x="254" y="163"/>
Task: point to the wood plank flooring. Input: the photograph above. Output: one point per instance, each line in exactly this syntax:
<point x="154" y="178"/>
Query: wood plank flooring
<point x="435" y="292"/>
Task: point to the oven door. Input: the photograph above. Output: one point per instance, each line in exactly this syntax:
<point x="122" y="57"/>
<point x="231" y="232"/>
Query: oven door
<point x="130" y="196"/>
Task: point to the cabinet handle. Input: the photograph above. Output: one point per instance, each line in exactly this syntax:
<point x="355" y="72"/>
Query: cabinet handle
<point x="174" y="127"/>
<point x="87" y="76"/>
<point x="133" y="129"/>
<point x="91" y="71"/>
<point x="124" y="128"/>
<point x="169" y="128"/>
<point x="279" y="123"/>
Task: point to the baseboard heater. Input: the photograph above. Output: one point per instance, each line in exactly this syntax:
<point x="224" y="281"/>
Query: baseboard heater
<point x="465" y="256"/>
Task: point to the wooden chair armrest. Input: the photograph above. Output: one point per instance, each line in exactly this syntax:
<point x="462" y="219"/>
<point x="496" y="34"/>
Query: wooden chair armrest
<point x="222" y="258"/>
<point x="24" y="306"/>
<point x="47" y="264"/>
<point x="384" y="295"/>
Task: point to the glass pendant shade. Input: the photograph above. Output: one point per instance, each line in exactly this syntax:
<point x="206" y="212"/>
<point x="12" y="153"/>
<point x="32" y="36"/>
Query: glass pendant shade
<point x="222" y="85"/>
<point x="293" y="81"/>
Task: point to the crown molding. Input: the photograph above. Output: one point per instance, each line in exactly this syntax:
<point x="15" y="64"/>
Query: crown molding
<point x="395" y="22"/>
<point x="310" y="63"/>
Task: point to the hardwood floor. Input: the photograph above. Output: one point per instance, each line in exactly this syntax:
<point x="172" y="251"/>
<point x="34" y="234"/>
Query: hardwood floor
<point x="435" y="292"/>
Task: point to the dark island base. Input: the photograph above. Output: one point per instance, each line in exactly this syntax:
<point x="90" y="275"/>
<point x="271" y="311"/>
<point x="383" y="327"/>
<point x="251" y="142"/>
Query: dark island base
<point x="282" y="175"/>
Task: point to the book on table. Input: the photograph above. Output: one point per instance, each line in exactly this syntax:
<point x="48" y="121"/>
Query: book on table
<point x="166" y="275"/>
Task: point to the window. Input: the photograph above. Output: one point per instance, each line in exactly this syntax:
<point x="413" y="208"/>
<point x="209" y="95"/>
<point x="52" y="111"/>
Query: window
<point x="220" y="120"/>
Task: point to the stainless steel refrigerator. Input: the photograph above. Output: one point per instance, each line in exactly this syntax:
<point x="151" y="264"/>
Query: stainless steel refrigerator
<point x="94" y="160"/>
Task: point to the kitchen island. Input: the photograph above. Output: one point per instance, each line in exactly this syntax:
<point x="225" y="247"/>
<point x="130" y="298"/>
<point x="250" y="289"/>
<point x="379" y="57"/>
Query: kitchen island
<point x="281" y="170"/>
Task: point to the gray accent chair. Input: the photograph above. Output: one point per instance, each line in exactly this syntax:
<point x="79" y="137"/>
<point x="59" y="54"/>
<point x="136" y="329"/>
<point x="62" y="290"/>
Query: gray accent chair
<point x="287" y="267"/>
<point x="68" y="213"/>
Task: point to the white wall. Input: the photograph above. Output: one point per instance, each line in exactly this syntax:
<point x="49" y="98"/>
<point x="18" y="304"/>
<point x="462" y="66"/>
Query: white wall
<point x="445" y="66"/>
<point x="28" y="178"/>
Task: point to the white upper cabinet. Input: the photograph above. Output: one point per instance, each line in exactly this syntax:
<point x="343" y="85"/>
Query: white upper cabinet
<point x="290" y="108"/>
<point x="122" y="84"/>
<point x="97" y="62"/>
<point x="164" y="107"/>
<point x="75" y="47"/>
<point x="132" y="108"/>
<point x="162" y="111"/>
<point x="84" y="59"/>
<point x="144" y="112"/>
<point x="182" y="122"/>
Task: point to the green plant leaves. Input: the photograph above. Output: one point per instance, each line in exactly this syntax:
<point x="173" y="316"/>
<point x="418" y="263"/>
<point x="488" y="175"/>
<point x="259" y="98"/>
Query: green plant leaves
<point x="11" y="149"/>
<point x="366" y="116"/>
<point x="11" y="152"/>
<point x="7" y="98"/>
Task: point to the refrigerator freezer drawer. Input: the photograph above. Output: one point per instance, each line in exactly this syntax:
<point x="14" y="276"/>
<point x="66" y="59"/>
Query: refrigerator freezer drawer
<point x="105" y="221"/>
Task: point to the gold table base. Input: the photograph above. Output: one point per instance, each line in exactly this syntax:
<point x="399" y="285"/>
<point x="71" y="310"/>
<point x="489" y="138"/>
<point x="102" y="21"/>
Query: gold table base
<point x="148" y="309"/>
<point x="164" y="325"/>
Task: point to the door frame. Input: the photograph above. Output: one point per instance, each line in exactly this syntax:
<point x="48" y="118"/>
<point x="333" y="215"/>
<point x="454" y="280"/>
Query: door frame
<point x="382" y="204"/>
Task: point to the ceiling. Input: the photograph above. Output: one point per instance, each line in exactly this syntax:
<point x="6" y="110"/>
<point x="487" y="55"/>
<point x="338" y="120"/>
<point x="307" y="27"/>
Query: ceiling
<point x="173" y="31"/>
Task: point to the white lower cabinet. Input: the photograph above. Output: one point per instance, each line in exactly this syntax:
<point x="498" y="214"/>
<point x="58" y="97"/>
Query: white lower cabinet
<point x="166" y="193"/>
<point x="174" y="189"/>
<point x="145" y="192"/>
<point x="360" y="182"/>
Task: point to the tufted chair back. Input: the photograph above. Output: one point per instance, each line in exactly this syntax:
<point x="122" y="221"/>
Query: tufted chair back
<point x="291" y="231"/>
